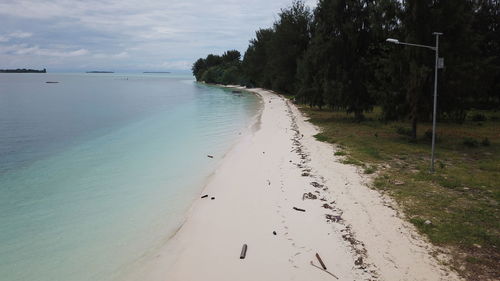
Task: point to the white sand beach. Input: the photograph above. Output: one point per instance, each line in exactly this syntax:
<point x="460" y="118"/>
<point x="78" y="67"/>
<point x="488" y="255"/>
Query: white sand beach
<point x="277" y="167"/>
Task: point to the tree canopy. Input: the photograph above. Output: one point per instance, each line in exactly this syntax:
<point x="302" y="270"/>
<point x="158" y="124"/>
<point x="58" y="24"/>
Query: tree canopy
<point x="336" y="56"/>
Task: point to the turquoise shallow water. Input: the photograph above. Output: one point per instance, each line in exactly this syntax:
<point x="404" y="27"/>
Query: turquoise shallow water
<point x="96" y="171"/>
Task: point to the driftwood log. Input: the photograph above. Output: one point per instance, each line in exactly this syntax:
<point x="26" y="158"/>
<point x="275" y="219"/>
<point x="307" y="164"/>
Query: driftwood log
<point x="299" y="209"/>
<point x="243" y="251"/>
<point x="320" y="261"/>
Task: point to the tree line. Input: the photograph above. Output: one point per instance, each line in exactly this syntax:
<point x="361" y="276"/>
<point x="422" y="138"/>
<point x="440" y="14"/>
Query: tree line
<point x="335" y="56"/>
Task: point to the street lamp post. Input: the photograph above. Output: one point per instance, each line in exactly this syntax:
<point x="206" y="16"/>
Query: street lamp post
<point x="436" y="66"/>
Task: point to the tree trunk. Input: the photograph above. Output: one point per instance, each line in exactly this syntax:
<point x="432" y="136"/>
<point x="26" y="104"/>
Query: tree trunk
<point x="358" y="115"/>
<point x="414" y="127"/>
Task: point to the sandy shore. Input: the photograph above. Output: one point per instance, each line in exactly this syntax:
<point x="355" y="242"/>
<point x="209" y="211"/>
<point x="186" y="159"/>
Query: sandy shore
<point x="272" y="170"/>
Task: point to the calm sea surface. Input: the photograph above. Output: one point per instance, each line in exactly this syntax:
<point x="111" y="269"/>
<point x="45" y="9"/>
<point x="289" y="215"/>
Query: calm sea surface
<point x="97" y="170"/>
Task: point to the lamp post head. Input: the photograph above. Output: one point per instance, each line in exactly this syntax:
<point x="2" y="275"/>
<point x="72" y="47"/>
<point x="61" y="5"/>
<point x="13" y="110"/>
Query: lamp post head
<point x="391" y="40"/>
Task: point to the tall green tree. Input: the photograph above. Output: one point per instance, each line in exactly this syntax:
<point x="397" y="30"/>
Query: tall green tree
<point x="459" y="47"/>
<point x="288" y="44"/>
<point x="417" y="28"/>
<point x="255" y="60"/>
<point x="271" y="59"/>
<point x="415" y="66"/>
<point x="387" y="63"/>
<point x="335" y="65"/>
<point x="198" y="68"/>
<point x="231" y="56"/>
<point x="486" y="25"/>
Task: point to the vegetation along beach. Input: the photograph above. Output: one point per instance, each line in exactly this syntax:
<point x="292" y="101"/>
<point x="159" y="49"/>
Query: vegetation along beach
<point x="230" y="140"/>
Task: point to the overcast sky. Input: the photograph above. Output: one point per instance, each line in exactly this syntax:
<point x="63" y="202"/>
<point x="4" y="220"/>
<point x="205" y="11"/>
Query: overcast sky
<point x="127" y="35"/>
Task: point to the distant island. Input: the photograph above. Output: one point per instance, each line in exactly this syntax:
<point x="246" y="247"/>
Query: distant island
<point x="100" y="72"/>
<point x="23" y="70"/>
<point x="156" y="72"/>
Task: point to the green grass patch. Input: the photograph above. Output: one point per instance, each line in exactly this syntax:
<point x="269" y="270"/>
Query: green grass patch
<point x="370" y="170"/>
<point x="321" y="137"/>
<point x="340" y="153"/>
<point x="352" y="161"/>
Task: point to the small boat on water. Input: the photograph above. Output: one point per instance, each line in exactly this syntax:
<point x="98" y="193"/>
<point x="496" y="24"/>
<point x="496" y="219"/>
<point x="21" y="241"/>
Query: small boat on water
<point x="51" y="82"/>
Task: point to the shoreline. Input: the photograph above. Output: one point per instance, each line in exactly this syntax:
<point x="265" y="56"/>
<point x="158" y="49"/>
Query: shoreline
<point x="152" y="262"/>
<point x="268" y="173"/>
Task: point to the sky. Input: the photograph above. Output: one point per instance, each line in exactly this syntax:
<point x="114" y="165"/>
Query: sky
<point x="127" y="35"/>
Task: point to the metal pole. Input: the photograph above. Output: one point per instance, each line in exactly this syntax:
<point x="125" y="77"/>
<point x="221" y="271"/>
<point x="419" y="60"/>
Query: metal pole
<point x="435" y="101"/>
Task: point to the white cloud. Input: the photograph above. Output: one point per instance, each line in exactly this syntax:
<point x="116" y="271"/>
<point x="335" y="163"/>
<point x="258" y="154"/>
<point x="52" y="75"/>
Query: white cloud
<point x="120" y="55"/>
<point x="16" y="34"/>
<point x="20" y="34"/>
<point x="25" y="50"/>
<point x="181" y="65"/>
<point x="112" y="56"/>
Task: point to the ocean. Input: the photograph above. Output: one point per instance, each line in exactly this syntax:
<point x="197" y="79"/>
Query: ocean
<point x="96" y="171"/>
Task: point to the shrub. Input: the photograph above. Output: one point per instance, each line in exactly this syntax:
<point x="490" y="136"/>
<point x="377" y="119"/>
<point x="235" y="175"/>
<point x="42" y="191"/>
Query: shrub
<point x="428" y="135"/>
<point x="321" y="137"/>
<point x="478" y="117"/>
<point x="339" y="153"/>
<point x="404" y="131"/>
<point x="370" y="170"/>
<point x="470" y="142"/>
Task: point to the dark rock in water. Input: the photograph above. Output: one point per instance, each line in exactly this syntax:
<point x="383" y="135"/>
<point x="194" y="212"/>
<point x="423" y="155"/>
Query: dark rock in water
<point x="51" y="82"/>
<point x="274" y="232"/>
<point x="213" y="198"/>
